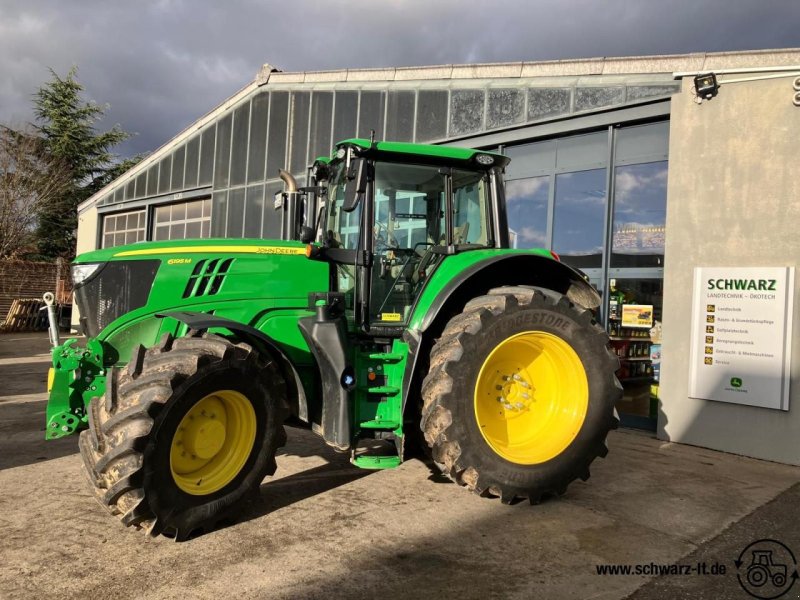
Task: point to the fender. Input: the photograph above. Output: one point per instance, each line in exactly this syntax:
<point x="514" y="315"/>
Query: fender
<point x="479" y="278"/>
<point x="258" y="339"/>
<point x="516" y="269"/>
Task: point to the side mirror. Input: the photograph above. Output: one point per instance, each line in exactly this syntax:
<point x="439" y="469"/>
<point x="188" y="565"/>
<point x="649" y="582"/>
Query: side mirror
<point x="356" y="185"/>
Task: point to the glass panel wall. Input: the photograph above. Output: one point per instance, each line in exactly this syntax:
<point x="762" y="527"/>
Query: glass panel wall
<point x="640" y="215"/>
<point x="526" y="206"/>
<point x="599" y="200"/>
<point x="345" y="117"/>
<point x="579" y="218"/>
<point x="556" y="187"/>
<point x="274" y="128"/>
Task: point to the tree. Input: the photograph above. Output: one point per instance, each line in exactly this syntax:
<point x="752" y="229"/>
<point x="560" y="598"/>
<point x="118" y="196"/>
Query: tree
<point x="66" y="124"/>
<point x="29" y="178"/>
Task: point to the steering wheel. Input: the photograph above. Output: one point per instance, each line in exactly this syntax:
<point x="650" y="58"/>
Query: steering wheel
<point x="383" y="239"/>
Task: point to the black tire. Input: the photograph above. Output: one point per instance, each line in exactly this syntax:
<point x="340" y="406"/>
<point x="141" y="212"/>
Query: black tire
<point x="448" y="416"/>
<point x="126" y="450"/>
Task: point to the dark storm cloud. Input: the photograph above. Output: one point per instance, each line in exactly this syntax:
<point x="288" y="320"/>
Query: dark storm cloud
<point x="162" y="64"/>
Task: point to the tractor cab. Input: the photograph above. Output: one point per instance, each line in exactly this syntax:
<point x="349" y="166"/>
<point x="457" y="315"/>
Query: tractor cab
<point x="392" y="211"/>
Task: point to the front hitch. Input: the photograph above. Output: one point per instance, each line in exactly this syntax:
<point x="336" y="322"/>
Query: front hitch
<point x="77" y="375"/>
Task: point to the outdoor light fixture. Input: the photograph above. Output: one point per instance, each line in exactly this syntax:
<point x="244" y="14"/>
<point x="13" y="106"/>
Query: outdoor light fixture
<point x="706" y="86"/>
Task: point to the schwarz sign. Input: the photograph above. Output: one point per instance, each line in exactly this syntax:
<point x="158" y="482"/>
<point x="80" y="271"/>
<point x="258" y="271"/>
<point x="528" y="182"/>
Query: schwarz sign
<point x="741" y="335"/>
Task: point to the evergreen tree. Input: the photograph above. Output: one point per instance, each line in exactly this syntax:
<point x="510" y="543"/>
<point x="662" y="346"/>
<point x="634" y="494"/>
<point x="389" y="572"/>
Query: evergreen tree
<point x="67" y="125"/>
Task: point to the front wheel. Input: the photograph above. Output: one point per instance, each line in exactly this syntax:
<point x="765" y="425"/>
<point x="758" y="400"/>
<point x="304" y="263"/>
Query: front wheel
<point x="185" y="435"/>
<point x="520" y="394"/>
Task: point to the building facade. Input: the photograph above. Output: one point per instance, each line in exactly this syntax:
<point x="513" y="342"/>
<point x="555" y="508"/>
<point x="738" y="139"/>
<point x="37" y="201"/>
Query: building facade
<point x="615" y="166"/>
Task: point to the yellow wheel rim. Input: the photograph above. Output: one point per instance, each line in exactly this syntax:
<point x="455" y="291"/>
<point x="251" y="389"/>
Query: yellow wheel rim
<point x="212" y="443"/>
<point x="531" y="397"/>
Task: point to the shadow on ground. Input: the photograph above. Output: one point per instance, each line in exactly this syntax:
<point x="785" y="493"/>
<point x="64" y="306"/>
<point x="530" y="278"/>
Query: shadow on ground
<point x="22" y="425"/>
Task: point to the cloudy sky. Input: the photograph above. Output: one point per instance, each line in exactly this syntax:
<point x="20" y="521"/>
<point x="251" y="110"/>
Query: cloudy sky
<point x="161" y="64"/>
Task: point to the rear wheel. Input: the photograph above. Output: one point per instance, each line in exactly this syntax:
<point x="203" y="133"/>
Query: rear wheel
<point x="520" y="394"/>
<point x="185" y="435"/>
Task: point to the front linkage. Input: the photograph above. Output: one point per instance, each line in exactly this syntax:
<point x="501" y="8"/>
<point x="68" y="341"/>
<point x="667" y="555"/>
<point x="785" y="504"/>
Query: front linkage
<point x="77" y="375"/>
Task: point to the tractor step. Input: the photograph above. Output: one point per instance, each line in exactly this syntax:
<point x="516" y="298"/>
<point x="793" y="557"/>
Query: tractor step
<point x="380" y="424"/>
<point x="381" y="390"/>
<point x="388" y="357"/>
<point x="376" y="462"/>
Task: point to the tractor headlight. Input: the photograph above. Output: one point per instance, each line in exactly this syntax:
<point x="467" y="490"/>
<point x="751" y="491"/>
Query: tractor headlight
<point x="81" y="273"/>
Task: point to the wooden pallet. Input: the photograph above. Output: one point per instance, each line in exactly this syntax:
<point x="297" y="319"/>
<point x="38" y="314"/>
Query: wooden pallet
<point x="25" y="315"/>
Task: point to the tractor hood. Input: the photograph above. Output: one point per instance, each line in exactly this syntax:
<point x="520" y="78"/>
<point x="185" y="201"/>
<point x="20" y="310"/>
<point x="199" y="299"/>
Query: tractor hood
<point x="244" y="277"/>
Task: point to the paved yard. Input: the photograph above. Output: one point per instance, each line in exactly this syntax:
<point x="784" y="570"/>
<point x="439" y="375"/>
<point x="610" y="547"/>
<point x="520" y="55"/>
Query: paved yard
<point x="326" y="529"/>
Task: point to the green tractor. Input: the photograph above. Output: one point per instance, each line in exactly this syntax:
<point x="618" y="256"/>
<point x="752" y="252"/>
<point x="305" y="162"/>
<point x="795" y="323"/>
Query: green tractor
<point x="392" y="313"/>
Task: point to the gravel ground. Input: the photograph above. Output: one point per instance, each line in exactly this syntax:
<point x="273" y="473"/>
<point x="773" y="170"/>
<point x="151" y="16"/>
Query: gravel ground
<point x="326" y="529"/>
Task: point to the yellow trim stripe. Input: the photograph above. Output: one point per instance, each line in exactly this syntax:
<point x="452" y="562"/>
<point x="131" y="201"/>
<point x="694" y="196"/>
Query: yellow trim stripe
<point x="288" y="250"/>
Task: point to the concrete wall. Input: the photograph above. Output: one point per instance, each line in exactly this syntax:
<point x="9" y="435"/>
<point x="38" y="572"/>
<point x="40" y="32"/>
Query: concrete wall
<point x="88" y="224"/>
<point x="733" y="200"/>
<point x="87" y="230"/>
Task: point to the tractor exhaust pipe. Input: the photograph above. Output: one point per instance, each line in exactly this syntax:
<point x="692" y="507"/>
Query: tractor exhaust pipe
<point x="288" y="180"/>
<point x="289" y="199"/>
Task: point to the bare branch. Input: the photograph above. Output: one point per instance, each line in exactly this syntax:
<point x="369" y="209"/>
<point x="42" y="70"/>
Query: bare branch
<point x="29" y="177"/>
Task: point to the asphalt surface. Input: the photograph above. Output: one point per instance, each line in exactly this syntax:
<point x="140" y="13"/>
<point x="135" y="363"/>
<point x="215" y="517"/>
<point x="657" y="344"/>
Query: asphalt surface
<point x="324" y="529"/>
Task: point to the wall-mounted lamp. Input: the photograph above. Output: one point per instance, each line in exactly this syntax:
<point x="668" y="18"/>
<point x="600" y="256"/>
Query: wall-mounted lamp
<point x="706" y="86"/>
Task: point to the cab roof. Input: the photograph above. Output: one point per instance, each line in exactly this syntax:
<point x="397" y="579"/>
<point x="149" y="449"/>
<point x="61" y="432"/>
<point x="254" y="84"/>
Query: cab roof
<point x="425" y="153"/>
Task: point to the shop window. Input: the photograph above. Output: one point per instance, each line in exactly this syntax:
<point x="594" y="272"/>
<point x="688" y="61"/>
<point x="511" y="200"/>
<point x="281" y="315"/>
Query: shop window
<point x="123" y="228"/>
<point x="634" y="324"/>
<point x="183" y="220"/>
<point x="640" y="211"/>
<point x="526" y="207"/>
<point x="579" y="218"/>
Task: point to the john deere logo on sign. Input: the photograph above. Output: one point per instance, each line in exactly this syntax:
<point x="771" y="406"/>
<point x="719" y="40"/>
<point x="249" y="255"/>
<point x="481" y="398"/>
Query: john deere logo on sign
<point x="736" y="382"/>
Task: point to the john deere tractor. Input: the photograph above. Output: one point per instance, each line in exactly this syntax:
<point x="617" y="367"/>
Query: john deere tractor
<point x="393" y="310"/>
